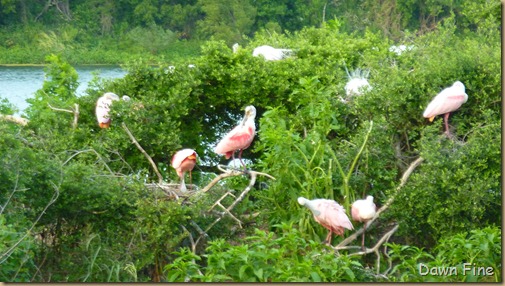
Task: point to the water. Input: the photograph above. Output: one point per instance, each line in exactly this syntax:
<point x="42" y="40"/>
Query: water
<point x="20" y="83"/>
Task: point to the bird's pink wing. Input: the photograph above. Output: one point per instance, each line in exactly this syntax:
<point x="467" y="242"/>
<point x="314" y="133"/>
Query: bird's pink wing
<point x="239" y="138"/>
<point x="355" y="213"/>
<point x="102" y="110"/>
<point x="179" y="156"/>
<point x="444" y="102"/>
<point x="333" y="215"/>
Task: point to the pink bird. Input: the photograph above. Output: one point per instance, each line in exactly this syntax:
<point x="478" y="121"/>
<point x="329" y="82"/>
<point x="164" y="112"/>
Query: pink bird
<point x="184" y="161"/>
<point x="240" y="137"/>
<point x="363" y="211"/>
<point x="329" y="214"/>
<point x="447" y="101"/>
<point x="103" y="107"/>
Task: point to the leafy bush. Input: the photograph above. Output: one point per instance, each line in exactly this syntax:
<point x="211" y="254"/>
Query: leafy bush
<point x="267" y="257"/>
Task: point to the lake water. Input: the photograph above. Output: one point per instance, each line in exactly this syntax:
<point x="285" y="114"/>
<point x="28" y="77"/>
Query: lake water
<point x="20" y="83"/>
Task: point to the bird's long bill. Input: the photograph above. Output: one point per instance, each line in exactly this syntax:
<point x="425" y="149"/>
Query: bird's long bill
<point x="431" y="118"/>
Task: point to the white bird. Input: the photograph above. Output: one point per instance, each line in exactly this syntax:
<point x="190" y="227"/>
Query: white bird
<point x="103" y="107"/>
<point x="358" y="82"/>
<point x="400" y="49"/>
<point x="235" y="47"/>
<point x="363" y="211"/>
<point x="271" y="53"/>
<point x="447" y="101"/>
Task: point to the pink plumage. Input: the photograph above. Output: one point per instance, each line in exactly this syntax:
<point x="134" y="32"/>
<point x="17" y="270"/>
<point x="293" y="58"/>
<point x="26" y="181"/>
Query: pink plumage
<point x="329" y="214"/>
<point x="184" y="161"/>
<point x="363" y="210"/>
<point x="240" y="137"/>
<point x="103" y="107"/>
<point x="447" y="101"/>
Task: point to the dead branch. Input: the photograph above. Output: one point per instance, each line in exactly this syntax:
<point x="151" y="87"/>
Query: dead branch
<point x="160" y="178"/>
<point x="231" y="173"/>
<point x="74" y="111"/>
<point x="93" y="151"/>
<point x="15" y="119"/>
<point x="375" y="249"/>
<point x="227" y="210"/>
<point x="403" y="180"/>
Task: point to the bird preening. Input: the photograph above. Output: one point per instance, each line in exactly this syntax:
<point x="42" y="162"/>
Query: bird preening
<point x="363" y="211"/>
<point x="240" y="137"/>
<point x="103" y="107"/>
<point x="447" y="101"/>
<point x="184" y="161"/>
<point x="329" y="214"/>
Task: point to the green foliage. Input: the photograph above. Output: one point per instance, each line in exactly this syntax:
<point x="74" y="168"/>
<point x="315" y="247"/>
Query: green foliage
<point x="267" y="258"/>
<point x="462" y="256"/>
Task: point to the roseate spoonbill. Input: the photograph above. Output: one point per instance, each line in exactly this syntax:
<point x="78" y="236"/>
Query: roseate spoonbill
<point x="358" y="83"/>
<point x="447" y="101"/>
<point x="184" y="161"/>
<point x="103" y="108"/>
<point x="329" y="214"/>
<point x="363" y="211"/>
<point x="240" y="137"/>
<point x="271" y="53"/>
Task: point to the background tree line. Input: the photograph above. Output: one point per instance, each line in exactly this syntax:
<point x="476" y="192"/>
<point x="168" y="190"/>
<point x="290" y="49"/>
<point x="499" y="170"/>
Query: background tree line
<point x="176" y="28"/>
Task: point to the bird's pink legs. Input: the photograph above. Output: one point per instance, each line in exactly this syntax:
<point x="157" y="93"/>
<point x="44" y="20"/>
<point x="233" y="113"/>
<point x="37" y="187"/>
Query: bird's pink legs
<point x="190" y="180"/>
<point x="240" y="158"/>
<point x="328" y="238"/>
<point x="446" y="119"/>
<point x="363" y="238"/>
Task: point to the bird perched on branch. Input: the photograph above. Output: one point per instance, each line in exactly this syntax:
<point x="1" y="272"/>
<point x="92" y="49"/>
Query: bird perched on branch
<point x="240" y="137"/>
<point x="363" y="211"/>
<point x="329" y="214"/>
<point x="447" y="101"/>
<point x="184" y="161"/>
<point x="103" y="107"/>
<point x="271" y="53"/>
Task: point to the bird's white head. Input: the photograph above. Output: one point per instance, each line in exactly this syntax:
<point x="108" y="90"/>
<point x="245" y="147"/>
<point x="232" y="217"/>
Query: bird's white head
<point x="250" y="112"/>
<point x="126" y="98"/>
<point x="369" y="198"/>
<point x="111" y="96"/>
<point x="302" y="200"/>
<point x="459" y="85"/>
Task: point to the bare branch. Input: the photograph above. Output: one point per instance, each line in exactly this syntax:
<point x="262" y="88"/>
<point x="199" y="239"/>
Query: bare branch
<point x="15" y="119"/>
<point x="74" y="111"/>
<point x="403" y="180"/>
<point x="160" y="178"/>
